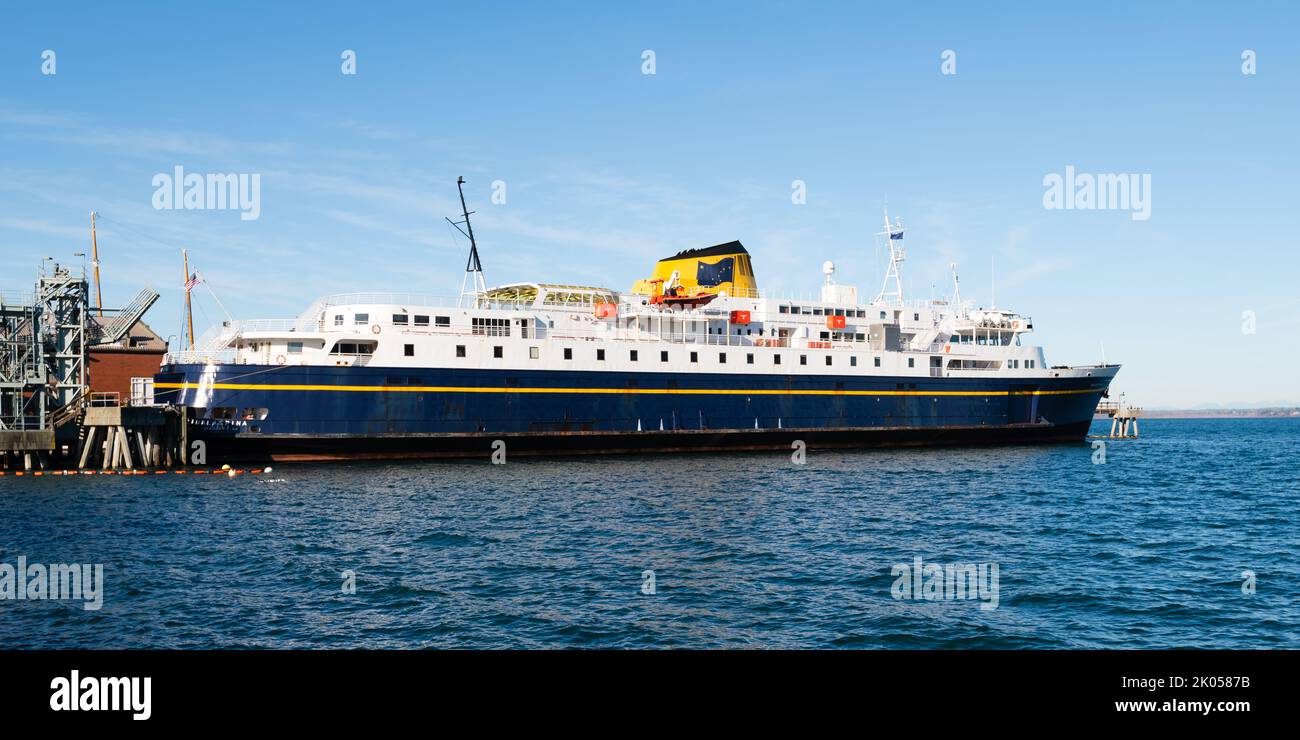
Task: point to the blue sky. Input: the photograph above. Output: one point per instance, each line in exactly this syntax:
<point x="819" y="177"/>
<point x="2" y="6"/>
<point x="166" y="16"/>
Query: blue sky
<point x="608" y="169"/>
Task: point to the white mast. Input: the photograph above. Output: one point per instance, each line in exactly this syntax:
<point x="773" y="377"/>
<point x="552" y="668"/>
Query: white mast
<point x="956" y="289"/>
<point x="896" y="256"/>
<point x="993" y="281"/>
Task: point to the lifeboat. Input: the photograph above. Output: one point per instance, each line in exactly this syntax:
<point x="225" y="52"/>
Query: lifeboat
<point x="682" y="301"/>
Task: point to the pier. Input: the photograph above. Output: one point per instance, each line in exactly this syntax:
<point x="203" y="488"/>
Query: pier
<point x="1123" y="418"/>
<point x="51" y="415"/>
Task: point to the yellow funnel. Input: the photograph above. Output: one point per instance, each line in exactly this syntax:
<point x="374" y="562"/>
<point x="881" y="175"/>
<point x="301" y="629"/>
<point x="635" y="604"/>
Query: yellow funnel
<point x="724" y="268"/>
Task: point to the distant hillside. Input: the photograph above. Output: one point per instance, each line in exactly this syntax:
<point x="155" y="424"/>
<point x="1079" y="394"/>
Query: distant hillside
<point x="1278" y="412"/>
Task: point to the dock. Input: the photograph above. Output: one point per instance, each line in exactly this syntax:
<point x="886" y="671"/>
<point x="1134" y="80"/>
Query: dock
<point x="1123" y="418"/>
<point x="51" y="417"/>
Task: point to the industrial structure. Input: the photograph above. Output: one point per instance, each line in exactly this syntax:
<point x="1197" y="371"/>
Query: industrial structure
<point x="49" y="410"/>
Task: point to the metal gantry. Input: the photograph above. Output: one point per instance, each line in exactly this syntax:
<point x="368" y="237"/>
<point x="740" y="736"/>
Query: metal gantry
<point x="42" y="362"/>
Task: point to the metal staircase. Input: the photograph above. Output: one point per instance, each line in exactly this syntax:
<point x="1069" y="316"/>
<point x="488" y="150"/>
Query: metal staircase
<point x="114" y="330"/>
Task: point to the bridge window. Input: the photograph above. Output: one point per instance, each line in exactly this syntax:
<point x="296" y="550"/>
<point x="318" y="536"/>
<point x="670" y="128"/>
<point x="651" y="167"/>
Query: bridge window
<point x="442" y="321"/>
<point x="490" y="327"/>
<point x="421" y="320"/>
<point x="295" y="348"/>
<point x="361" y="318"/>
<point x="353" y="348"/>
<point x="400" y="319"/>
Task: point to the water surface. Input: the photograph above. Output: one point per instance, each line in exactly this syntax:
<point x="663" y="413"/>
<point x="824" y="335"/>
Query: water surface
<point x="747" y="550"/>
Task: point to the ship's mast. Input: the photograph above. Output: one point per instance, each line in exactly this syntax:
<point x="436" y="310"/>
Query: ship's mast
<point x="897" y="253"/>
<point x="94" y="260"/>
<point x="189" y="309"/>
<point x="472" y="265"/>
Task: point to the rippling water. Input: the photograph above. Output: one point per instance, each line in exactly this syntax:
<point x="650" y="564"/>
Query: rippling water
<point x="748" y="550"/>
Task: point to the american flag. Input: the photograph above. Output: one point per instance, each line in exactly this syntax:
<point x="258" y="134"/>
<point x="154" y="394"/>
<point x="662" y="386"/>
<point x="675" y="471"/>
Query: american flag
<point x="193" y="281"/>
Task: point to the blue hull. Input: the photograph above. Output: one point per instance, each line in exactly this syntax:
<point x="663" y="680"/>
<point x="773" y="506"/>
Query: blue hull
<point x="346" y="412"/>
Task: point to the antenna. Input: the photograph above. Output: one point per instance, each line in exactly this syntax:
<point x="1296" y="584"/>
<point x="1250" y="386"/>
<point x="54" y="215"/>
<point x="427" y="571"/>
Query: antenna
<point x="896" y="256"/>
<point x="993" y="281"/>
<point x="956" y="286"/>
<point x="472" y="265"/>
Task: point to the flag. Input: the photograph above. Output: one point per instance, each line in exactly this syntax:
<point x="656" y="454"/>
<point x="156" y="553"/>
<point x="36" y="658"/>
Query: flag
<point x="715" y="274"/>
<point x="193" y="281"/>
<point x="895" y="235"/>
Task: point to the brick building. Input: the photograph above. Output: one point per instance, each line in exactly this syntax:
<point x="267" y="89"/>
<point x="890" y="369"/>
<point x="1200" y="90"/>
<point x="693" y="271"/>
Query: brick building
<point x="110" y="367"/>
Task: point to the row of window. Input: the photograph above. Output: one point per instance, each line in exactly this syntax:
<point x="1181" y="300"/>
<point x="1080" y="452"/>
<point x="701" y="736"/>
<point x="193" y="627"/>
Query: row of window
<point x="498" y="352"/>
<point x="857" y="313"/>
<point x="634" y="355"/>
<point x="819" y="311"/>
<point x="399" y="319"/>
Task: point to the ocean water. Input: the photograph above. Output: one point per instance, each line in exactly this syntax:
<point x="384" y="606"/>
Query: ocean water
<point x="1146" y="550"/>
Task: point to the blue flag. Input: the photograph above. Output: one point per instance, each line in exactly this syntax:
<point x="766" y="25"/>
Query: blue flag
<point x="715" y="274"/>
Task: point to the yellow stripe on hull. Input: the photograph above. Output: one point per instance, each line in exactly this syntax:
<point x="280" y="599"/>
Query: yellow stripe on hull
<point x="642" y="391"/>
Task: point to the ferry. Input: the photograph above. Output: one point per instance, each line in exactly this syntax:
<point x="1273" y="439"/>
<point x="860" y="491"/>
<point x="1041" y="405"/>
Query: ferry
<point x="693" y="357"/>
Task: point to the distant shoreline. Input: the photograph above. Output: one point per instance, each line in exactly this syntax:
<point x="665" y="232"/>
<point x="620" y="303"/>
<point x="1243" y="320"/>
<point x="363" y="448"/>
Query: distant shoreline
<point x="1266" y="413"/>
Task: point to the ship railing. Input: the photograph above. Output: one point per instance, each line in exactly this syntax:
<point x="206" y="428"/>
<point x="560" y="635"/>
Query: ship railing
<point x="199" y="357"/>
<point x="274" y="325"/>
<point x="105" y="399"/>
<point x="389" y="298"/>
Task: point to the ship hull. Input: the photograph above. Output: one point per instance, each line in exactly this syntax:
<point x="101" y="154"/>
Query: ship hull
<point x="288" y="413"/>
